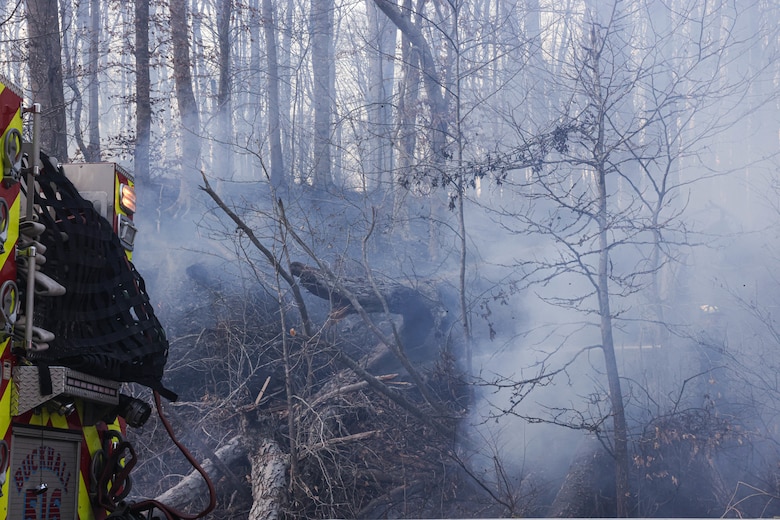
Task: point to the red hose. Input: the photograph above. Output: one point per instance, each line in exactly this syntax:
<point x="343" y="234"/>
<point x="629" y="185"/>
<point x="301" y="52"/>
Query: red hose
<point x="116" y="480"/>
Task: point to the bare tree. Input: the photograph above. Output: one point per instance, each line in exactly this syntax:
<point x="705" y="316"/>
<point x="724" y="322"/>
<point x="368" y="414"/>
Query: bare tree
<point x="382" y="36"/>
<point x="143" y="116"/>
<point x="81" y="43"/>
<point x="188" y="108"/>
<point x="224" y="115"/>
<point x="45" y="63"/>
<point x="431" y="78"/>
<point x="277" y="171"/>
<point x="92" y="151"/>
<point x="603" y="186"/>
<point x="322" y="13"/>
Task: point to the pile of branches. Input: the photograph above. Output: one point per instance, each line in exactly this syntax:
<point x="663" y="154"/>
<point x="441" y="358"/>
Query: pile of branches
<point x="362" y="456"/>
<point x="260" y="397"/>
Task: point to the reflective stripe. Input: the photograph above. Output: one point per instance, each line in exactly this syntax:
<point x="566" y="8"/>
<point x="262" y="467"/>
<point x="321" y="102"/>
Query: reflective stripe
<point x="8" y="98"/>
<point x="5" y="423"/>
<point x="10" y="118"/>
<point x="85" y="506"/>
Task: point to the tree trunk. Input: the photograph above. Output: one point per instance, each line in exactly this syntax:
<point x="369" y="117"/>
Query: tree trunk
<point x="286" y="68"/>
<point x="620" y="430"/>
<point x="92" y="152"/>
<point x="45" y="62"/>
<point x="405" y="127"/>
<point x="321" y="38"/>
<point x="188" y="110"/>
<point x="143" y="105"/>
<point x="269" y="479"/>
<point x="224" y="99"/>
<point x="379" y="94"/>
<point x="274" y="119"/>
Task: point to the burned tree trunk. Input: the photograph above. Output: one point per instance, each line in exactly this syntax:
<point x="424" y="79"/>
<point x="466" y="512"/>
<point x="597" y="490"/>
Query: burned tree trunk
<point x="419" y="311"/>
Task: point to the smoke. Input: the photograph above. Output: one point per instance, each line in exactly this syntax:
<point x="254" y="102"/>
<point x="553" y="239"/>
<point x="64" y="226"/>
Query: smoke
<point x="710" y="348"/>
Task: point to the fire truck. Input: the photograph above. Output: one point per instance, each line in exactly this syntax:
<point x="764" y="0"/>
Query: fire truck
<point x="76" y="325"/>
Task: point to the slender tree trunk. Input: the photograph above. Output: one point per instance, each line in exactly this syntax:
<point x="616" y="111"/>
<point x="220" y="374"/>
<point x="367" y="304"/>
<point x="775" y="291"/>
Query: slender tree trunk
<point x="45" y="61"/>
<point x="461" y="186"/>
<point x="322" y="35"/>
<point x="286" y="96"/>
<point x="592" y="79"/>
<point x="405" y="128"/>
<point x="143" y="105"/>
<point x="188" y="110"/>
<point x="254" y="97"/>
<point x="380" y="83"/>
<point x="533" y="59"/>
<point x="92" y="152"/>
<point x="607" y="342"/>
<point x="337" y="150"/>
<point x="608" y="346"/>
<point x="274" y="118"/>
<point x="71" y="51"/>
<point x="224" y="99"/>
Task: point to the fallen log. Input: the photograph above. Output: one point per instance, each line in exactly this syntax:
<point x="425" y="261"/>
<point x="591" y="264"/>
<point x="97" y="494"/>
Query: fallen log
<point x="269" y="480"/>
<point x="193" y="486"/>
<point x="417" y="310"/>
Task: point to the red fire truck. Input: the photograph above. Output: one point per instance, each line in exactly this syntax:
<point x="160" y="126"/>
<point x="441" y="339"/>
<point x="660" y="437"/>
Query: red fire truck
<point x="75" y="326"/>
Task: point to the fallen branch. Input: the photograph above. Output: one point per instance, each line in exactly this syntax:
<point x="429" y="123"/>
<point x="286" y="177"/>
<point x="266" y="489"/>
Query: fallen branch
<point x="339" y="440"/>
<point x="348" y="389"/>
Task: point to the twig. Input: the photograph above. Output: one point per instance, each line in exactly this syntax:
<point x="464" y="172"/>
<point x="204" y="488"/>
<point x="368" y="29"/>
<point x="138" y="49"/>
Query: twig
<point x="262" y="391"/>
<point x="348" y="389"/>
<point x="339" y="440"/>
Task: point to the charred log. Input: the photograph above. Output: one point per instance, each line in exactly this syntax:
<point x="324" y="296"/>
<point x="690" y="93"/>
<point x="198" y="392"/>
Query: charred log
<point x="417" y="310"/>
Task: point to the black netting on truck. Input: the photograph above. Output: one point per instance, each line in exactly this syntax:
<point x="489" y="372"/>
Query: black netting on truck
<point x="104" y="324"/>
